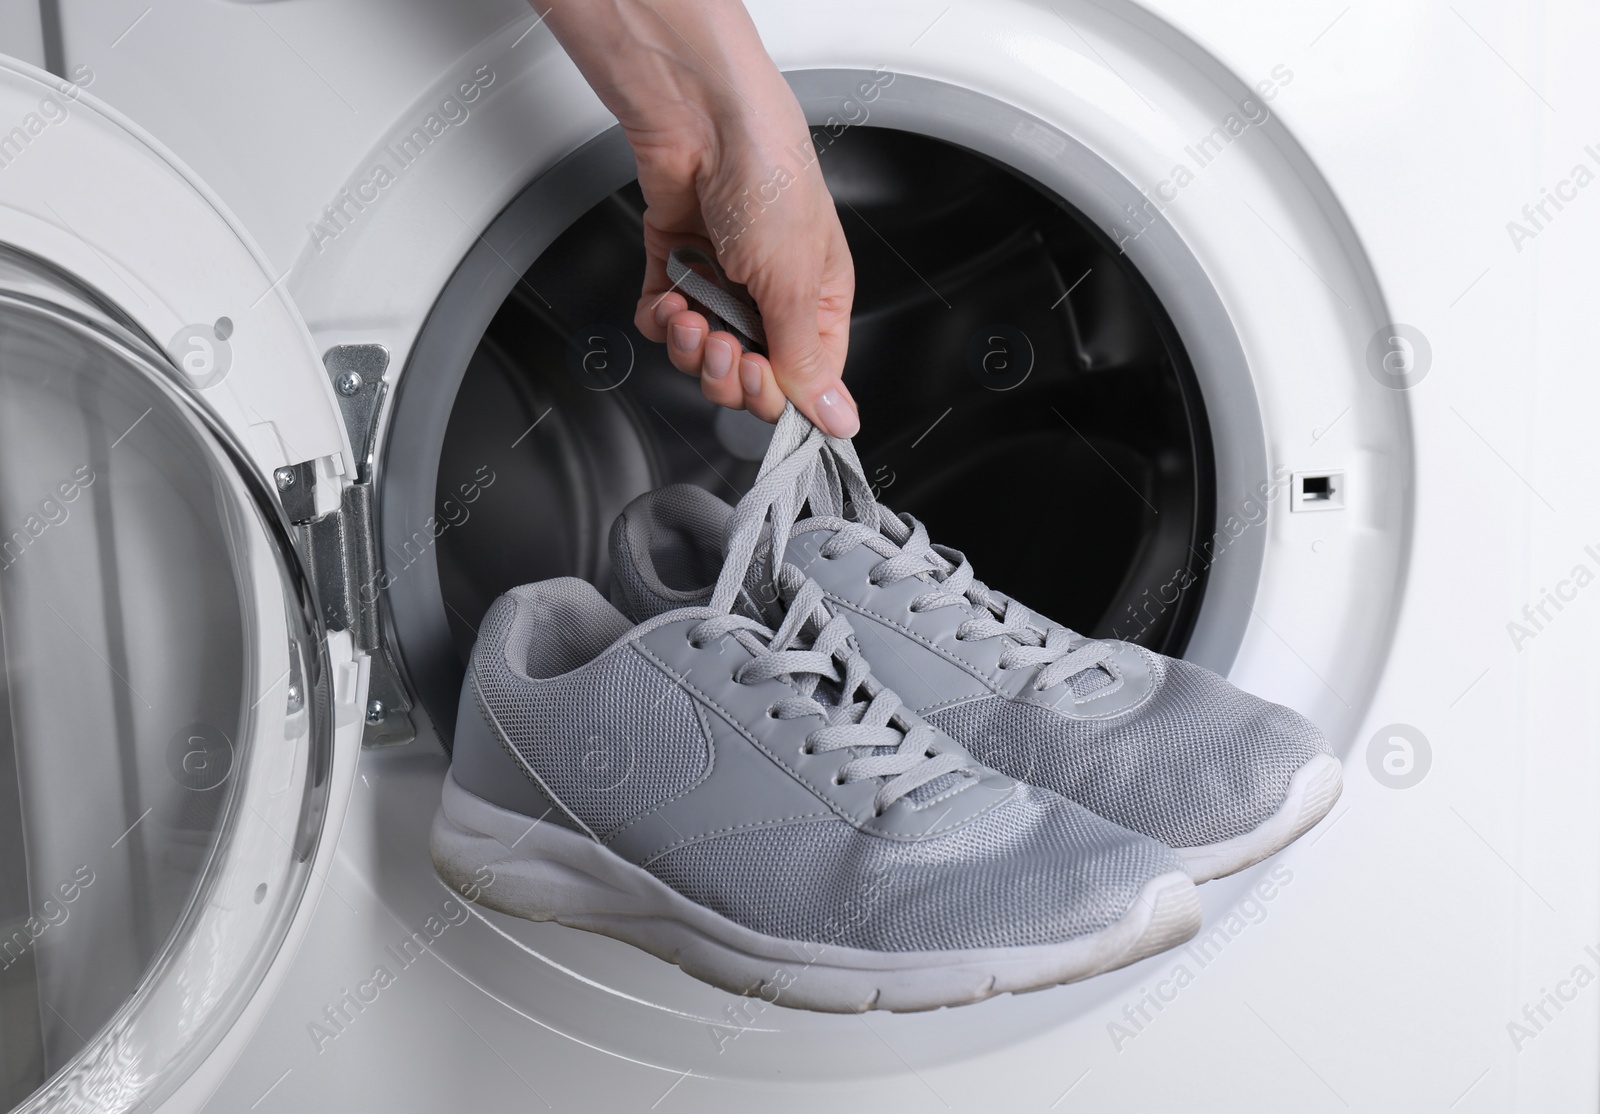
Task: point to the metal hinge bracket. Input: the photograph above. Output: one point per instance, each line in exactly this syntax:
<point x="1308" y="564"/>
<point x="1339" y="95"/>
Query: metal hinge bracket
<point x="341" y="547"/>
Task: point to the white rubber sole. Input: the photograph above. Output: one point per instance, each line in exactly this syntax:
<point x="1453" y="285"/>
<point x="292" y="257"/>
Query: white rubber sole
<point x="555" y="874"/>
<point x="1312" y="792"/>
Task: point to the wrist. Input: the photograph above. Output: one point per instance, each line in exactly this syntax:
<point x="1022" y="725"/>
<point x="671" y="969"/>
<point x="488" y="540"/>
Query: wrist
<point x="669" y="66"/>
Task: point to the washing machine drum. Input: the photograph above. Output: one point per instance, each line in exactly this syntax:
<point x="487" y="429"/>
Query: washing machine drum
<point x="1011" y="366"/>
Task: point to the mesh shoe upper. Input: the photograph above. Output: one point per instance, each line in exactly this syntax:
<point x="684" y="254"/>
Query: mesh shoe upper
<point x="583" y="731"/>
<point x="1157" y="744"/>
<point x="1186" y="778"/>
<point x="1035" y="871"/>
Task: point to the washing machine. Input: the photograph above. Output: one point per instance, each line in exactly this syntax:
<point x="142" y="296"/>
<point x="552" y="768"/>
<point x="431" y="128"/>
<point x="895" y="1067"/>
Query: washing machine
<point x="315" y="336"/>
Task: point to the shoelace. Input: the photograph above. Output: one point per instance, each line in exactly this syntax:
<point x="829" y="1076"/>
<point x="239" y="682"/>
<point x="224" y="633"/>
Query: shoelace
<point x="826" y="470"/>
<point x="815" y="652"/>
<point x="813" y="647"/>
<point x="1060" y="652"/>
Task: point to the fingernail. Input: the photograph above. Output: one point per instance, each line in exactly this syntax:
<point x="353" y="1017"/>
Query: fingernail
<point x="750" y="377"/>
<point x="719" y="358"/>
<point x="664" y="310"/>
<point x="685" y="338"/>
<point x="838" y="417"/>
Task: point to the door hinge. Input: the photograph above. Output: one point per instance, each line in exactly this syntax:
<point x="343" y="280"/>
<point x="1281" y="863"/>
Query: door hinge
<point x="341" y="547"/>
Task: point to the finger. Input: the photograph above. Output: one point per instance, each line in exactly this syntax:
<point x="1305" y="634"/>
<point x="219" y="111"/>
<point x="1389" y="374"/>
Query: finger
<point x="719" y="378"/>
<point x="653" y="314"/>
<point x="804" y="369"/>
<point x="656" y="292"/>
<point x="762" y="396"/>
<point x="686" y="336"/>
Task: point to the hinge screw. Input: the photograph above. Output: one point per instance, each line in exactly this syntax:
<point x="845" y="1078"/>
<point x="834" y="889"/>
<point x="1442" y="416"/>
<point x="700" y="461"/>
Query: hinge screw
<point x="375" y="712"/>
<point x="284" y="478"/>
<point x="349" y="383"/>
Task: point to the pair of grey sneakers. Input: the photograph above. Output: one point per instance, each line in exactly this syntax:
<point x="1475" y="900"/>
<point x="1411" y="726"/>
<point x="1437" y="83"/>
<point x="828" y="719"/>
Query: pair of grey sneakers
<point x="818" y="761"/>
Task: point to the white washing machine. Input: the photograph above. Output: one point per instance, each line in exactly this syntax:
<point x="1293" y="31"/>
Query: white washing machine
<point x="315" y="335"/>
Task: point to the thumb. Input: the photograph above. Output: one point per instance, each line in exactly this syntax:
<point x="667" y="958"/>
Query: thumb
<point x="807" y="367"/>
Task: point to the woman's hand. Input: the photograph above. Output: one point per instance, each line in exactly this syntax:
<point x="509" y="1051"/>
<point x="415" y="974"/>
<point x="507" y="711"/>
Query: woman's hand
<point x="726" y="163"/>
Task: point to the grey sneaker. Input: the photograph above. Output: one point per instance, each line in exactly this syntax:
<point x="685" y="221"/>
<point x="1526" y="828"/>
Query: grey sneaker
<point x="1156" y="744"/>
<point x="751" y="804"/>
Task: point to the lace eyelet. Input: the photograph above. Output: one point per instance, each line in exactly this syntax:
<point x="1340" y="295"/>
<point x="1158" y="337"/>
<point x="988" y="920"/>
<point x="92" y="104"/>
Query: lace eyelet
<point x="772" y="713"/>
<point x="837" y="780"/>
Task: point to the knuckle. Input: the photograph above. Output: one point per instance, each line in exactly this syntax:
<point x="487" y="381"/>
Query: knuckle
<point x="803" y="368"/>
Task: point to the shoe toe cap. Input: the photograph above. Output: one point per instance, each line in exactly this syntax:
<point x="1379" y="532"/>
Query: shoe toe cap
<point x="1228" y="756"/>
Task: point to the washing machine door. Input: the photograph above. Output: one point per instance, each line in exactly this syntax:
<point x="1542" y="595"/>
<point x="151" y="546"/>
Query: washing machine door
<point x="169" y="699"/>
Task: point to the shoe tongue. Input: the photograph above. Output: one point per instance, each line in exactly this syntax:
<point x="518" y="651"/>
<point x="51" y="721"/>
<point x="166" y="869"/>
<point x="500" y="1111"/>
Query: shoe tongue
<point x="926" y="793"/>
<point x="756" y="600"/>
<point x="1089" y="682"/>
<point x="757" y="597"/>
